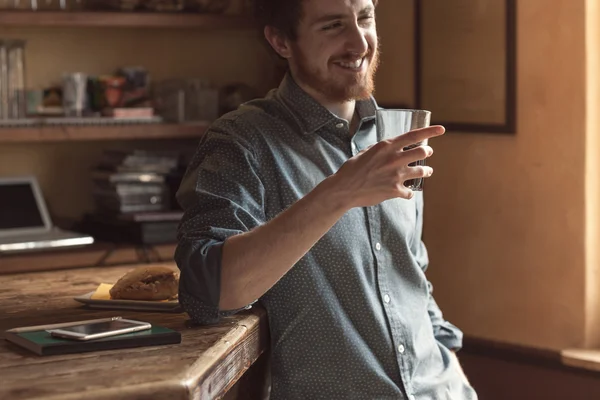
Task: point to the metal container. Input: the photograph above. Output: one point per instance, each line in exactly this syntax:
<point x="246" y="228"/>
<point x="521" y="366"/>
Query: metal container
<point x="75" y="97"/>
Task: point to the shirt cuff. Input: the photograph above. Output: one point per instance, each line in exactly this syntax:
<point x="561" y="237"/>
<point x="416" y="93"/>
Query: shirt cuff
<point x="450" y="336"/>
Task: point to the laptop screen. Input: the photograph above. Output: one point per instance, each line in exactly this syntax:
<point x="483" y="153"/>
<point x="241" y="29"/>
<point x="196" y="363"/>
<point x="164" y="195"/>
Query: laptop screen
<point x="18" y="207"/>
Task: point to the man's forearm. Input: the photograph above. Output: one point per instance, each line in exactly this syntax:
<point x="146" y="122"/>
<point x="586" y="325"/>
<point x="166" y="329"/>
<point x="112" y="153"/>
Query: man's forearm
<point x="254" y="261"/>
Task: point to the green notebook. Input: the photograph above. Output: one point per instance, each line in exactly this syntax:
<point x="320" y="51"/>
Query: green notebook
<point x="38" y="340"/>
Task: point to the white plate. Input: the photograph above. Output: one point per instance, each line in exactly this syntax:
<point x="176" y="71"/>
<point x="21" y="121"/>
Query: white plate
<point x="135" y="305"/>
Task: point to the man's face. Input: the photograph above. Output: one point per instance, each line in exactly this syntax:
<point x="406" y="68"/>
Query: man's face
<point x="336" y="51"/>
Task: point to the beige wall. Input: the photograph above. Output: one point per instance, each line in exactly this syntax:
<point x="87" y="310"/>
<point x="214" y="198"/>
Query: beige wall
<point x="505" y="214"/>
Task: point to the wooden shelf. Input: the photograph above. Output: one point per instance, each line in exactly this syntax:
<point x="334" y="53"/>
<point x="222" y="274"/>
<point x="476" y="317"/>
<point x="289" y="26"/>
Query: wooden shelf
<point x="83" y="19"/>
<point x="89" y="133"/>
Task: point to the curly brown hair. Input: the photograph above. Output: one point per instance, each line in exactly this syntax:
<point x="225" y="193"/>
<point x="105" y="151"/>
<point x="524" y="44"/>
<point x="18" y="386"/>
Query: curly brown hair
<point x="284" y="15"/>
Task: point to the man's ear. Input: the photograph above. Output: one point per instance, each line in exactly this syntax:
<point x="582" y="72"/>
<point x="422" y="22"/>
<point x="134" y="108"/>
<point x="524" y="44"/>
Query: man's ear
<point x="278" y="41"/>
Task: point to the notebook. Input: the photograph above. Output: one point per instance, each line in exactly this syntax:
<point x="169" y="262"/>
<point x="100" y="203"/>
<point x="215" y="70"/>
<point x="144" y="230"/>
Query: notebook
<point x="41" y="342"/>
<point x="24" y="220"/>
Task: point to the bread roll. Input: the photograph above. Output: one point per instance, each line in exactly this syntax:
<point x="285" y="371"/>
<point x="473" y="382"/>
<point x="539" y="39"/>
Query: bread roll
<point x="146" y="283"/>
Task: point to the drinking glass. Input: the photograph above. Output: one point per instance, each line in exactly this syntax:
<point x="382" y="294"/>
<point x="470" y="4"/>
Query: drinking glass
<point x="393" y="123"/>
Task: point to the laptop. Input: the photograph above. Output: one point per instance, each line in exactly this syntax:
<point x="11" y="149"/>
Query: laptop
<point x="24" y="221"/>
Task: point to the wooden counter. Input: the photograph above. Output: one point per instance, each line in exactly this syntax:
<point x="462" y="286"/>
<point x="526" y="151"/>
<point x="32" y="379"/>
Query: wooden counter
<point x="99" y="254"/>
<point x="205" y="365"/>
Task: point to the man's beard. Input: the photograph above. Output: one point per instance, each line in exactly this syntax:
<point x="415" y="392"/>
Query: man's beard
<point x="339" y="88"/>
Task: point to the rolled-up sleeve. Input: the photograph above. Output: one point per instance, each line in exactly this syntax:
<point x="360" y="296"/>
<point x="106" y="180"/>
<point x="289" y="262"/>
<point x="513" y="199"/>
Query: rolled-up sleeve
<point x="222" y="195"/>
<point x="445" y="332"/>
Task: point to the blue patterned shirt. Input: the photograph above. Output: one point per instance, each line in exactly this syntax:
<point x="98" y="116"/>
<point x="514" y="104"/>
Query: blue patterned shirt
<point x="355" y="317"/>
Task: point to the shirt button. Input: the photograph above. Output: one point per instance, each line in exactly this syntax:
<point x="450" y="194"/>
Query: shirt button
<point x="401" y="349"/>
<point x="386" y="298"/>
<point x="378" y="246"/>
<point x="339" y="125"/>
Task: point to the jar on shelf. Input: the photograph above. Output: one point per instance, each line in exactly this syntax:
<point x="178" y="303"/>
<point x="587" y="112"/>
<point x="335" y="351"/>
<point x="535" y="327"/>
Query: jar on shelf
<point x="3" y="80"/>
<point x="74" y="94"/>
<point x="15" y="84"/>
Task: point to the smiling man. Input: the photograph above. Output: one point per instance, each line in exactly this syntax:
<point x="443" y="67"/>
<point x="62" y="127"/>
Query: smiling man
<point x="289" y="201"/>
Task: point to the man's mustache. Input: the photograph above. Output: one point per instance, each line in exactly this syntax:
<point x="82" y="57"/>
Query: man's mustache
<point x="350" y="57"/>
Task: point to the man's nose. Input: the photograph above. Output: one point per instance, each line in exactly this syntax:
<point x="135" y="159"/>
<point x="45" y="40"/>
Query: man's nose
<point x="357" y="40"/>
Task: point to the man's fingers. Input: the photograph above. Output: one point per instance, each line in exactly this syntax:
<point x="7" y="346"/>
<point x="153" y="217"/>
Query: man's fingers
<point x="418" y="171"/>
<point x="416" y="154"/>
<point x="403" y="192"/>
<point x="418" y="135"/>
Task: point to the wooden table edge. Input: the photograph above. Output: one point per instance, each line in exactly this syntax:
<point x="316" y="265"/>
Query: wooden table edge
<point x="201" y="380"/>
<point x="240" y="347"/>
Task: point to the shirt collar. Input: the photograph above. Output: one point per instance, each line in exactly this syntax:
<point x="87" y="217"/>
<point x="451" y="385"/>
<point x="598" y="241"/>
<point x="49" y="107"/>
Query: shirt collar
<point x="309" y="113"/>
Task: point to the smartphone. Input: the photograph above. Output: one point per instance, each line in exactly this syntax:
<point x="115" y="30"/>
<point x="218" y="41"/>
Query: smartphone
<point x="100" y="329"/>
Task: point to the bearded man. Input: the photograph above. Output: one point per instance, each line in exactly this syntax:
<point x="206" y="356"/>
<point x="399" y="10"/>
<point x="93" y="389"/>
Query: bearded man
<point x="289" y="201"/>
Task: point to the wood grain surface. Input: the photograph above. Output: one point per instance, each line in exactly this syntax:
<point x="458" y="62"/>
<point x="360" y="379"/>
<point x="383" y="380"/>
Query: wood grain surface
<point x="99" y="254"/>
<point x="205" y="365"/>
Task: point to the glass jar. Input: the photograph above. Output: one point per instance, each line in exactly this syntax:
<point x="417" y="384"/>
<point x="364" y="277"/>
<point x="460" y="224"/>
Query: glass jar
<point x="16" y="78"/>
<point x="3" y="80"/>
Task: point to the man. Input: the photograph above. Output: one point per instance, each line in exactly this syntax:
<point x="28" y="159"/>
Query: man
<point x="290" y="201"/>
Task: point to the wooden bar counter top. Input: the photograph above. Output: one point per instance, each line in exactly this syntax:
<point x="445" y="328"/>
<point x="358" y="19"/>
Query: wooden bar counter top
<point x="207" y="363"/>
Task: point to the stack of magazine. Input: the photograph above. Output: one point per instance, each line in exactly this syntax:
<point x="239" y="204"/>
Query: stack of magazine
<point x="133" y="194"/>
<point x="133" y="182"/>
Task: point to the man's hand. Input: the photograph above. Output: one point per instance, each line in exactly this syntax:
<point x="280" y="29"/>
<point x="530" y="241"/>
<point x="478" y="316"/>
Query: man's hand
<point x="378" y="173"/>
